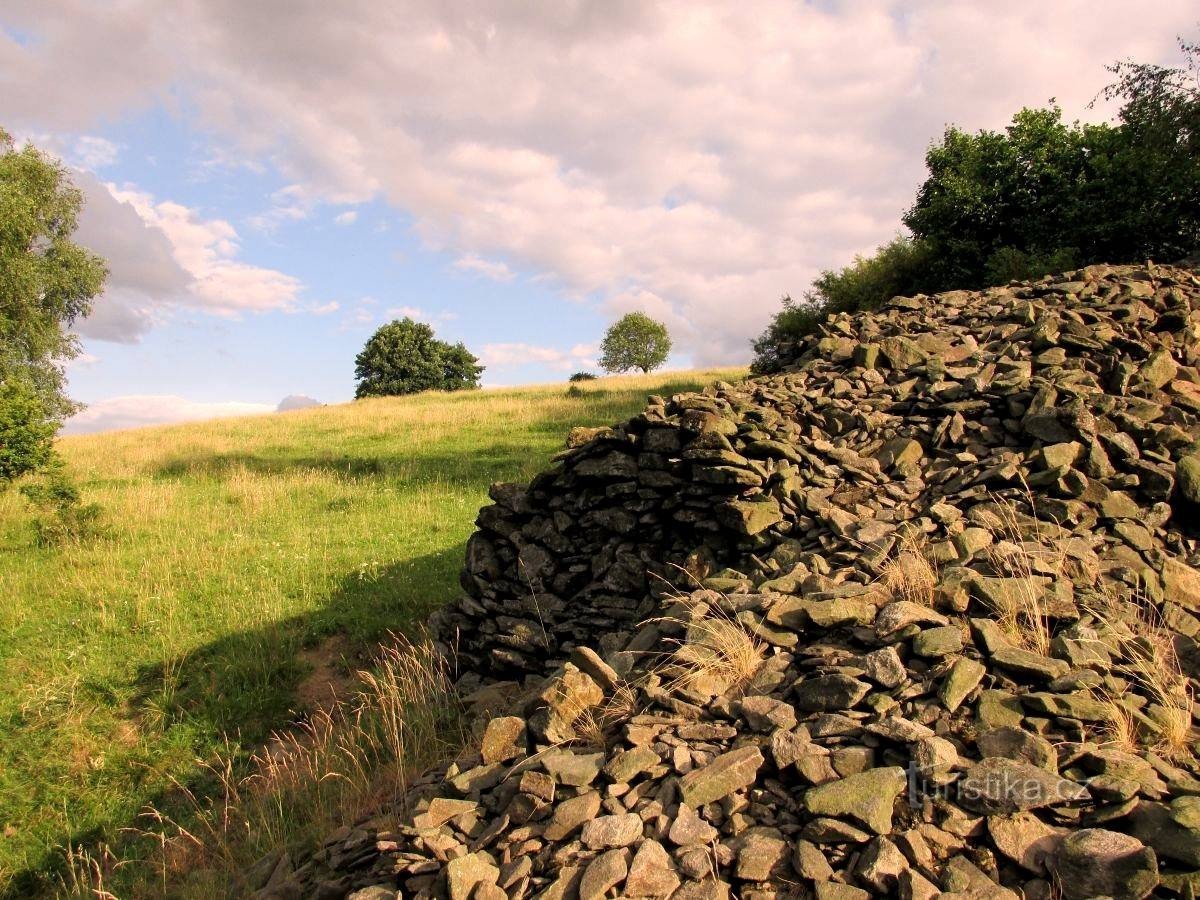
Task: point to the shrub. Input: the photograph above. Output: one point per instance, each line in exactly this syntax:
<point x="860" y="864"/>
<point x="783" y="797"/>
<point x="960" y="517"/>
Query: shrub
<point x="66" y="518"/>
<point x="582" y="376"/>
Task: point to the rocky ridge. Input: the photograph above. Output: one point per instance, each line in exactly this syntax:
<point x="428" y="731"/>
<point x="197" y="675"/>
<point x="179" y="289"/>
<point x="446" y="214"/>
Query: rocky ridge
<point x="914" y="618"/>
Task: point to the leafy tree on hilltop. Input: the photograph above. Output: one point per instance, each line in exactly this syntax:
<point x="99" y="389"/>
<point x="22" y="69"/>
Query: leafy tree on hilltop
<point x="1040" y="196"/>
<point x="404" y="357"/>
<point x="46" y="283"/>
<point x="635" y="341"/>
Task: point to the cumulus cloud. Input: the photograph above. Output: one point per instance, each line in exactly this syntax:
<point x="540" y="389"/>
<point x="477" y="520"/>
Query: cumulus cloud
<point x="136" y="410"/>
<point x="349" y="217"/>
<point x="163" y="255"/>
<point x="508" y="356"/>
<point x="689" y="154"/>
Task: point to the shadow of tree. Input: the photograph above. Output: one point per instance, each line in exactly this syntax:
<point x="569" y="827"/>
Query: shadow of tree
<point x="243" y="685"/>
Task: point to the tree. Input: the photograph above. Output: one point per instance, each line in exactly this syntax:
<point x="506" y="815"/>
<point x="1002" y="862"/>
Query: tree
<point x="635" y="341"/>
<point x="47" y="282"/>
<point x="1039" y="197"/>
<point x="404" y="357"/>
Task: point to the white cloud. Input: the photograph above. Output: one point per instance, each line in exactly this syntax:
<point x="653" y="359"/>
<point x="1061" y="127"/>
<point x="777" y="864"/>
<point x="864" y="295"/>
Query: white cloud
<point x="349" y="217"/>
<point x="134" y="411"/>
<point x="163" y="255"/>
<point x="496" y="271"/>
<point x="325" y="308"/>
<point x="509" y="356"/>
<point x="289" y="204"/>
<point x="686" y="153"/>
<point x="92" y="152"/>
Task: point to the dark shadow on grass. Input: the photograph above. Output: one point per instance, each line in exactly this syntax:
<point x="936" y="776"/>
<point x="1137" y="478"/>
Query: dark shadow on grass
<point x="244" y="685"/>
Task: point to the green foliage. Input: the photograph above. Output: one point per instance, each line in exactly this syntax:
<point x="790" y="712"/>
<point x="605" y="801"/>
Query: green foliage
<point x="26" y="431"/>
<point x="1040" y="196"/>
<point x="46" y="283"/>
<point x="897" y="268"/>
<point x="404" y="357"/>
<point x="66" y="518"/>
<point x="635" y="341"/>
<point x="582" y="376"/>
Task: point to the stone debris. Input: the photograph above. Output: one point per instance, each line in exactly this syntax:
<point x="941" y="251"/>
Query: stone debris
<point x="915" y="618"/>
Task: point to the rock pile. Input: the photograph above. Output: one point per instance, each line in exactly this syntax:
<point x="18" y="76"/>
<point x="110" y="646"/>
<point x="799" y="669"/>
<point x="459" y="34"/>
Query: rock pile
<point x="915" y="618"/>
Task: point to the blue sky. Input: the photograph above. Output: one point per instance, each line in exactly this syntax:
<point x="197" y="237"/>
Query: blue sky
<point x="270" y="183"/>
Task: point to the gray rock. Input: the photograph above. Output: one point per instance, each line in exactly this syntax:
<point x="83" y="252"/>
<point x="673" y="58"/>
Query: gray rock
<point x="1097" y="863"/>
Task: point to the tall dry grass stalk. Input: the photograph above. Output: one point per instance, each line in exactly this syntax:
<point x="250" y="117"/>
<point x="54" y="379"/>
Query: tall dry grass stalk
<point x="716" y="653"/>
<point x="353" y="760"/>
<point x="1022" y="613"/>
<point x="1148" y="659"/>
<point x="909" y="575"/>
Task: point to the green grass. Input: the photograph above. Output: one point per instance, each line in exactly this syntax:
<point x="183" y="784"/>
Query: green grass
<point x="231" y="549"/>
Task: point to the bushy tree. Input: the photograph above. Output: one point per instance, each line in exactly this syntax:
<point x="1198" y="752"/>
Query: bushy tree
<point x="635" y="341"/>
<point x="1041" y="196"/>
<point x="404" y="357"/>
<point x="46" y="283"/>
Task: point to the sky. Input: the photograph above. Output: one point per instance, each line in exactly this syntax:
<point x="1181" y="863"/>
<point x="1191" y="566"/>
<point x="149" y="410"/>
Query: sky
<point x="272" y="181"/>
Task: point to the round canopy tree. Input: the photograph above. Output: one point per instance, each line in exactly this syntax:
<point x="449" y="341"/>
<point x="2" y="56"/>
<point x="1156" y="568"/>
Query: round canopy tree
<point x="47" y="281"/>
<point x="635" y="341"/>
<point x="404" y="357"/>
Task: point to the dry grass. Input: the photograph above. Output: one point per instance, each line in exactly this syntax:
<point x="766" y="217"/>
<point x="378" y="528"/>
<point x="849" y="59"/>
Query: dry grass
<point x="1147" y="658"/>
<point x="353" y="760"/>
<point x="717" y="654"/>
<point x="594" y="727"/>
<point x="1023" y="615"/>
<point x="910" y="575"/>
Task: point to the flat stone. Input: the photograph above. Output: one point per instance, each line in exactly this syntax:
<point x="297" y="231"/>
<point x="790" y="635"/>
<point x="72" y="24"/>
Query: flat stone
<point x="726" y="774"/>
<point x="964" y="676"/>
<point x="997" y="708"/>
<point x="810" y="862"/>
<point x="760" y="852"/>
<point x="574" y="769"/>
<point x="868" y="797"/>
<point x="1098" y="863"/>
<point x="612" y="831"/>
<point x="688" y="829"/>
<point x="628" y="764"/>
<point x="465" y="873"/>
<point x="902" y="613"/>
<point x="569" y="815"/>
<point x="1025" y="662"/>
<point x="1025" y="839"/>
<point x="1010" y="742"/>
<point x="998" y="785"/>
<point x="1187" y="476"/>
<point x="652" y="872"/>
<point x="767" y="713"/>
<point x="1154" y="824"/>
<point x="1181" y="584"/>
<point x="603" y="873"/>
<point x="442" y="810"/>
<point x="938" y="642"/>
<point x="503" y="739"/>
<point x="884" y="667"/>
<point x="749" y="517"/>
<point x="822" y="693"/>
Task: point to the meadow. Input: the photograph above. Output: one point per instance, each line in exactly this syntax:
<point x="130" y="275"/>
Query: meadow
<point x="246" y="569"/>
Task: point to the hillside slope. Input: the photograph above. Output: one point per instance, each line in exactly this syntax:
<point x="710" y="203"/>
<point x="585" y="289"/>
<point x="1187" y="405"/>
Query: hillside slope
<point x="915" y="618"/>
<point x="245" y="564"/>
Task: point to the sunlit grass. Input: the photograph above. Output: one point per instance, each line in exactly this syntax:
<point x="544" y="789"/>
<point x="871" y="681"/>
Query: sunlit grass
<point x="228" y="548"/>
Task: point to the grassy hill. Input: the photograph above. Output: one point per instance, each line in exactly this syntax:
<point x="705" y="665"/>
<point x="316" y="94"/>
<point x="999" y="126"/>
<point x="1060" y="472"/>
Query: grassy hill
<point x="246" y="564"/>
